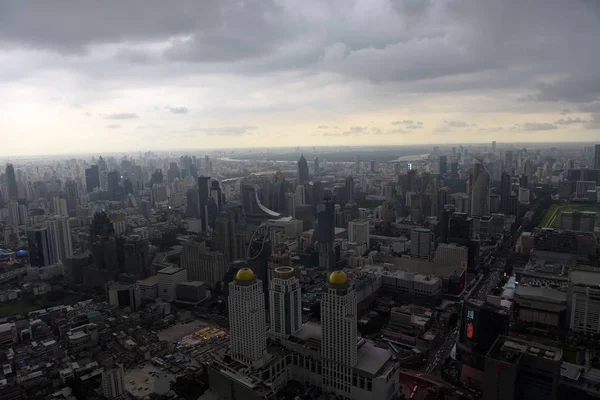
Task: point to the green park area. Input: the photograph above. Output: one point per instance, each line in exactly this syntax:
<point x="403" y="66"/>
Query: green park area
<point x="24" y="306"/>
<point x="552" y="217"/>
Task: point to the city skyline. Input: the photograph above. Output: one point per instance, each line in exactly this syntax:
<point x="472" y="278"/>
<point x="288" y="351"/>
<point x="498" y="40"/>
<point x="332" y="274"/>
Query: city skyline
<point x="81" y="79"/>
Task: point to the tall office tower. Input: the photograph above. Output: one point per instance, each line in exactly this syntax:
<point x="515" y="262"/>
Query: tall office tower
<point x="13" y="213"/>
<point x="23" y="214"/>
<point x="358" y="232"/>
<point x="59" y="206"/>
<point x="339" y="334"/>
<point x="38" y="243"/>
<point x="372" y="166"/>
<point x="326" y="234"/>
<point x="207" y="164"/>
<point x="112" y="185"/>
<point x="480" y="193"/>
<point x="247" y="325"/>
<point x="420" y="242"/>
<point x="102" y="164"/>
<point x="224" y="234"/>
<point x="92" y="178"/>
<point x="216" y="194"/>
<point x="597" y="156"/>
<point x="494" y="146"/>
<point x="11" y="180"/>
<point x="454" y="169"/>
<point x="60" y="240"/>
<point x="193" y="208"/>
<point x="285" y="303"/>
<point x="504" y="192"/>
<point x="113" y="382"/>
<point x="173" y="173"/>
<point x="290" y="201"/>
<point x="316" y="166"/>
<point x="303" y="176"/>
<point x="357" y="163"/>
<point x="349" y="188"/>
<point x="203" y="195"/>
<point x="204" y="265"/>
<point x="72" y="193"/>
<point x="443" y="165"/>
<point x="136" y="257"/>
<point x="300" y="195"/>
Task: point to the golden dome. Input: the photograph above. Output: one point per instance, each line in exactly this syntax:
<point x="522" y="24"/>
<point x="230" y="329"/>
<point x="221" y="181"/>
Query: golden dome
<point x="244" y="274"/>
<point x="338" y="278"/>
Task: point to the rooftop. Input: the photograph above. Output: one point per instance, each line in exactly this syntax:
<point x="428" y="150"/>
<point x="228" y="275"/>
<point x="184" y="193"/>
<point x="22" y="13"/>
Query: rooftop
<point x="172" y="270"/>
<point x="371" y="359"/>
<point x="546" y="294"/>
<point x="510" y="350"/>
<point x="151" y="281"/>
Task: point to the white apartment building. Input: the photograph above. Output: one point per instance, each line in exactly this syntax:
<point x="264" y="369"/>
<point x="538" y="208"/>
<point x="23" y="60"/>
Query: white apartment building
<point x="247" y="325"/>
<point x="358" y="232"/>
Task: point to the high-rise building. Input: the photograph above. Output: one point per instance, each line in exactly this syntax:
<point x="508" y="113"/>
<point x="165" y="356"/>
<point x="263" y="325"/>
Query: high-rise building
<point x="583" y="221"/>
<point x="316" y="166"/>
<point x="326" y="234"/>
<point x="202" y="264"/>
<point x="505" y="189"/>
<point x="247" y="325"/>
<point x="597" y="156"/>
<point x="59" y="206"/>
<point x="60" y="237"/>
<point x="420" y="242"/>
<point x="113" y="382"/>
<point x="349" y="188"/>
<point x="285" y="303"/>
<point x="136" y="256"/>
<point x="224" y="234"/>
<point x="303" y="175"/>
<point x="300" y="195"/>
<point x="92" y="178"/>
<point x="193" y="208"/>
<point x="443" y="165"/>
<point x="373" y="166"/>
<point x="203" y="195"/>
<point x="38" y="243"/>
<point x="11" y="180"/>
<point x="357" y="163"/>
<point x="494" y="146"/>
<point x="480" y="193"/>
<point x="72" y="193"/>
<point x="339" y="334"/>
<point x="113" y="179"/>
<point x="358" y="232"/>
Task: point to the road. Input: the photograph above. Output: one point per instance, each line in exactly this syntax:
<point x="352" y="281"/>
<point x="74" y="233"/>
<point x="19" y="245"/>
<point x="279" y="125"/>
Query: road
<point x="435" y="360"/>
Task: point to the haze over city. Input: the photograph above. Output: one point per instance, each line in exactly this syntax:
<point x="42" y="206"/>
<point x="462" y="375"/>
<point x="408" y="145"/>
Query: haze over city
<point x="84" y="76"/>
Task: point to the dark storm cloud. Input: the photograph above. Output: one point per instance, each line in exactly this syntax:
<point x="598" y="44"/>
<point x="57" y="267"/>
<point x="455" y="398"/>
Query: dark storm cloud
<point x="537" y="126"/>
<point x="230" y="130"/>
<point x="178" y="110"/>
<point x="570" y="121"/>
<point x="121" y="116"/>
<point x="414" y="46"/>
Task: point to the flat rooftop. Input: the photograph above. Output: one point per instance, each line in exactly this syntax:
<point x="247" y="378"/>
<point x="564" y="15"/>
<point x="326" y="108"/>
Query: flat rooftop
<point x="510" y="350"/>
<point x="546" y="294"/>
<point x="150" y="281"/>
<point x="172" y="270"/>
<point x="371" y="359"/>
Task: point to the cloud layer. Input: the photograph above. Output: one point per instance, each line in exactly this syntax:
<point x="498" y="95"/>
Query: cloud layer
<point x="466" y="67"/>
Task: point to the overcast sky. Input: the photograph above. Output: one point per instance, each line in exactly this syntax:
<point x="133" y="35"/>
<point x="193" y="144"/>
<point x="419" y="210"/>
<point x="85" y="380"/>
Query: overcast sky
<point x="93" y="76"/>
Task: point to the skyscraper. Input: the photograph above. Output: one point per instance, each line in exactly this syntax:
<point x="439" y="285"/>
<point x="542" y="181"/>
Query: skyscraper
<point x="38" y="244"/>
<point x="316" y="166"/>
<point x="303" y="176"/>
<point x="11" y="180"/>
<point x="420" y="242"/>
<point x="203" y="195"/>
<point x="504" y="192"/>
<point x="247" y="325"/>
<point x="92" y="178"/>
<point x="326" y="234"/>
<point x="480" y="192"/>
<point x="339" y="334"/>
<point x="285" y="303"/>
<point x="113" y="178"/>
<point x="597" y="156"/>
<point x="72" y="193"/>
<point x="443" y="165"/>
<point x="357" y="164"/>
<point x="60" y="239"/>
